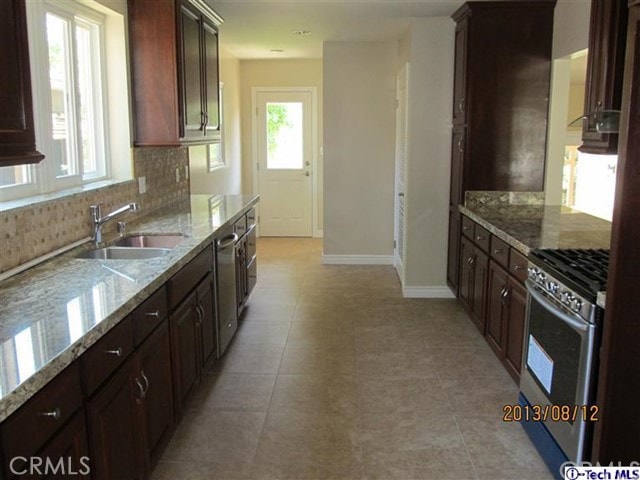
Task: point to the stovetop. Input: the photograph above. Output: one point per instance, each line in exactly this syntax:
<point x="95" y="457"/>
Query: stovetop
<point x="583" y="270"/>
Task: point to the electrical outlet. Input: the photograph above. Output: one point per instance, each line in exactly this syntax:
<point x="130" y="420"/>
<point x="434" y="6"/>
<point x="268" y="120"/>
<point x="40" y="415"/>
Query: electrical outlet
<point x="142" y="185"/>
<point x="177" y="174"/>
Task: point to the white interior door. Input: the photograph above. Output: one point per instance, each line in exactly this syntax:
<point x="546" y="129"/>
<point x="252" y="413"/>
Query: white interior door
<point x="401" y="169"/>
<point x="284" y="163"/>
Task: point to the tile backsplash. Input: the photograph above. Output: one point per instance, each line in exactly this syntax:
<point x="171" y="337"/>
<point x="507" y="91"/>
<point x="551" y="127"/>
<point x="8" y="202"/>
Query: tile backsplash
<point x="34" y="230"/>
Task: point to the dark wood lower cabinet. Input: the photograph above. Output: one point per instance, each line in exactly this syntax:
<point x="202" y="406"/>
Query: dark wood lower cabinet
<point x="454" y="248"/>
<point x="208" y="330"/>
<point x="465" y="285"/>
<point x="131" y="417"/>
<point x="506" y="308"/>
<point x="473" y="281"/>
<point x="69" y="451"/>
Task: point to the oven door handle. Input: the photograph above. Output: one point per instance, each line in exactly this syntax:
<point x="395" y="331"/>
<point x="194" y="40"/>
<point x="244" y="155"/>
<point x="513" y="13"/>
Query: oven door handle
<point x="570" y="320"/>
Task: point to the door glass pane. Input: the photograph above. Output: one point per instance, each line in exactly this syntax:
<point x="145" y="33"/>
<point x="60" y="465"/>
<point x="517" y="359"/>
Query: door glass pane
<point x="60" y="83"/>
<point x="284" y="136"/>
<point x="15" y="175"/>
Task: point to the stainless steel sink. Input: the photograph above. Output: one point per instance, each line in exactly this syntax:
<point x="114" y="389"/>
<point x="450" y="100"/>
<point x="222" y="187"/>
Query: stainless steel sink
<point x="124" y="253"/>
<point x="150" y="241"/>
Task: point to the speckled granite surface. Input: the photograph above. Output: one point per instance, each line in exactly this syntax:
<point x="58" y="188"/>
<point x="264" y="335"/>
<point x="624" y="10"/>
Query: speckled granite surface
<point x="478" y="198"/>
<point x="527" y="227"/>
<point x="52" y="313"/>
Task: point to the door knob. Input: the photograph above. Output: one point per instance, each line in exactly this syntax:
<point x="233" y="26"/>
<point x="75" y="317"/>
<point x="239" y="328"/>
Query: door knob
<point x="306" y="174"/>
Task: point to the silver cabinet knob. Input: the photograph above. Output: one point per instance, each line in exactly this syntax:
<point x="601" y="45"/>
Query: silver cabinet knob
<point x="55" y="414"/>
<point x="153" y="314"/>
<point x="117" y="352"/>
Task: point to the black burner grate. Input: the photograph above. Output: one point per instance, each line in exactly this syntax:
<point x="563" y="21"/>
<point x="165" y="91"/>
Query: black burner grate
<point x="585" y="267"/>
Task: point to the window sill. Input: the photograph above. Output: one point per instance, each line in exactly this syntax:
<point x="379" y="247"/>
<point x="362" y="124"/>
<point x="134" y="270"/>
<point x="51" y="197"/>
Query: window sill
<point x="47" y="197"/>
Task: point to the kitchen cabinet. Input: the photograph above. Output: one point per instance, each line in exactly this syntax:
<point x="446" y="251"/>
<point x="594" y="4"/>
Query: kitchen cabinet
<point x="17" y="133"/>
<point x="605" y="70"/>
<point x="506" y="305"/>
<point x="131" y="417"/>
<point x="501" y="86"/>
<point x="453" y="253"/>
<point x="473" y="281"/>
<point x="174" y="62"/>
<point x="192" y="322"/>
<point x="51" y="422"/>
<point x="246" y="258"/>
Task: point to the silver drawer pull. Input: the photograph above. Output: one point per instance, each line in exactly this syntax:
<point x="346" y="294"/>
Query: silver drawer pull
<point x="498" y="250"/>
<point x="467" y="227"/>
<point x="55" y="414"/>
<point x="519" y="267"/>
<point x="117" y="352"/>
<point x="153" y="314"/>
<point x="481" y="237"/>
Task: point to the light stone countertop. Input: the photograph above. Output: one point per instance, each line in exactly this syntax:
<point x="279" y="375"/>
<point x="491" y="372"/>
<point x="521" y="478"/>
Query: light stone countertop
<point x="51" y="313"/>
<point x="529" y="227"/>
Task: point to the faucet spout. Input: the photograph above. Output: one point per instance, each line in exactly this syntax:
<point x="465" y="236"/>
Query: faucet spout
<point x="99" y="220"/>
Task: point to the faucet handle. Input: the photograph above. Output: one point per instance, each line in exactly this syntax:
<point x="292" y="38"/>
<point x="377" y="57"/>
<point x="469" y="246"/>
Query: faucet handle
<point x="96" y="211"/>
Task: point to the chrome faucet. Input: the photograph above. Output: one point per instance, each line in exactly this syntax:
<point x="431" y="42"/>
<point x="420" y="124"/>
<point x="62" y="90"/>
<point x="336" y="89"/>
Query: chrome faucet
<point x="99" y="220"/>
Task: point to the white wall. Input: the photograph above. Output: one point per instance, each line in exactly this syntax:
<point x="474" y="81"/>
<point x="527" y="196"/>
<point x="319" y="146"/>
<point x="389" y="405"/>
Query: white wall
<point x="431" y="58"/>
<point x="359" y="146"/>
<point x="570" y="35"/>
<point x="279" y="73"/>
<point x="227" y="180"/>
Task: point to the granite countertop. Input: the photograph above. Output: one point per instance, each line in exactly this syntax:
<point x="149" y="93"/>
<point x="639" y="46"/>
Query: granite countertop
<point x="52" y="313"/>
<point x="528" y="227"/>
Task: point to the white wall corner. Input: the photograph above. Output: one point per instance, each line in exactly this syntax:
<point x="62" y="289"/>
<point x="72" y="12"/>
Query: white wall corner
<point x="357" y="259"/>
<point x="427" y="292"/>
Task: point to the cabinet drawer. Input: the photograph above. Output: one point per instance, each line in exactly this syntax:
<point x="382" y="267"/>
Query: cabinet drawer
<point x="251" y="217"/>
<point x="252" y="275"/>
<point x="500" y="251"/>
<point x="240" y="227"/>
<point x="186" y="279"/>
<point x="149" y="315"/>
<point x="518" y="265"/>
<point x="24" y="432"/>
<point x="481" y="237"/>
<point x="251" y="243"/>
<point x="468" y="229"/>
<point x="107" y="354"/>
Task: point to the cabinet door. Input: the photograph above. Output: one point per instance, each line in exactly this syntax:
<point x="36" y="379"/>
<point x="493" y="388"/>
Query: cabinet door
<point x="517" y="301"/>
<point x="154" y="365"/>
<point x="460" y="74"/>
<point x="465" y="291"/>
<point x="17" y="135"/>
<point x="114" y="429"/>
<point x="69" y="446"/>
<point x="454" y="249"/>
<point x="480" y="274"/>
<point x="212" y="82"/>
<point x="207" y="307"/>
<point x="605" y="71"/>
<point x="241" y="273"/>
<point x="185" y="351"/>
<point x="497" y="288"/>
<point x="456" y="193"/>
<point x="192" y="114"/>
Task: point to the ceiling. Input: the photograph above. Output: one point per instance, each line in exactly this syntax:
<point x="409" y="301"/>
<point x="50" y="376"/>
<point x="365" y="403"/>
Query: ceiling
<point x="252" y="28"/>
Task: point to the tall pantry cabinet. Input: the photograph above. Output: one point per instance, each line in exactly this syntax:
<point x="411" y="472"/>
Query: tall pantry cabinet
<point x="500" y="103"/>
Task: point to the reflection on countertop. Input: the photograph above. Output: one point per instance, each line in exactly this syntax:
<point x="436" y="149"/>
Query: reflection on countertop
<point x="55" y="311"/>
<point x="528" y="227"/>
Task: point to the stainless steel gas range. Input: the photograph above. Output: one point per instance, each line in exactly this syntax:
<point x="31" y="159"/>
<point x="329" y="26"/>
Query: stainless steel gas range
<point x="560" y="357"/>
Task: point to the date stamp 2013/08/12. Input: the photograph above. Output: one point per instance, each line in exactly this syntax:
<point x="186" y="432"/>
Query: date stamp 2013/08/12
<point x="555" y="413"/>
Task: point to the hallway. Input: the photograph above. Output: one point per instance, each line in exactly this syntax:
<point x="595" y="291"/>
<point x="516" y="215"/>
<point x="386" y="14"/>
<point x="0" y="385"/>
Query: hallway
<point x="333" y="375"/>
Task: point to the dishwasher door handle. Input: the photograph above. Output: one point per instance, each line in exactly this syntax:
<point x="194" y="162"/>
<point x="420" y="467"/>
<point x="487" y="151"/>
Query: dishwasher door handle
<point x="227" y="241"/>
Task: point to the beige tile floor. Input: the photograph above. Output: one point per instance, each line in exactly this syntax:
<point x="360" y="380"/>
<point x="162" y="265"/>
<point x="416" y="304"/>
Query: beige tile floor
<point x="333" y="375"/>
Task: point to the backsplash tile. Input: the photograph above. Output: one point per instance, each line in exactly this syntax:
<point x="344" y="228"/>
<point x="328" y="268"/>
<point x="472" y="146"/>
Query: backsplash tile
<point x="35" y="230"/>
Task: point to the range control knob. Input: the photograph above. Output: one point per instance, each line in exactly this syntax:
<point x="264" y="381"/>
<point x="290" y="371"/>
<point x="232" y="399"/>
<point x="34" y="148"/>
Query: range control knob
<point x="540" y="278"/>
<point x="552" y="287"/>
<point x="533" y="273"/>
<point x="576" y="304"/>
<point x="566" y="297"/>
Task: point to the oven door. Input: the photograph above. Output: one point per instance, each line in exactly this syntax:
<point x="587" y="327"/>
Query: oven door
<point x="558" y="367"/>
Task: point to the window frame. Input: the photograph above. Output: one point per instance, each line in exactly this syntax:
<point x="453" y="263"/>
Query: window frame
<point x="43" y="175"/>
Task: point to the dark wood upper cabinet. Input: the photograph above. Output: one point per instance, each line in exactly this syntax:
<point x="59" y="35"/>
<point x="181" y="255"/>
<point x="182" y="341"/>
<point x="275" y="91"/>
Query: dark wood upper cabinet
<point x="17" y="134"/>
<point x="174" y="65"/>
<point x="501" y="93"/>
<point x="605" y="69"/>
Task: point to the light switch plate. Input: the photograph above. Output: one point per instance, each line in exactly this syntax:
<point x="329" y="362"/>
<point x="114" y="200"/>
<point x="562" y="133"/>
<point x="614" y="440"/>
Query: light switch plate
<point x="142" y="185"/>
<point x="177" y="174"/>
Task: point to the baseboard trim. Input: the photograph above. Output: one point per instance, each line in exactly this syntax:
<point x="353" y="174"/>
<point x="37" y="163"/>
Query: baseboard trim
<point x="427" y="292"/>
<point x="357" y="259"/>
<point x="318" y="233"/>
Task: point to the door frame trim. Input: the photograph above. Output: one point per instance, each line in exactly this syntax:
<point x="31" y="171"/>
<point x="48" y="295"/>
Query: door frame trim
<point x="315" y="232"/>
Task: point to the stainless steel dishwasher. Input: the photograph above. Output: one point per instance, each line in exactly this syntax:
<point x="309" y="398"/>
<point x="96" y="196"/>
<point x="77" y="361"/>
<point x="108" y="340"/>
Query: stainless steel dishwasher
<point x="226" y="271"/>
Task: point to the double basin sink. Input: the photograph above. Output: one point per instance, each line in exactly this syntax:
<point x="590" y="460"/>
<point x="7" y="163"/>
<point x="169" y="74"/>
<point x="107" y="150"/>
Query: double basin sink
<point x="136" y="247"/>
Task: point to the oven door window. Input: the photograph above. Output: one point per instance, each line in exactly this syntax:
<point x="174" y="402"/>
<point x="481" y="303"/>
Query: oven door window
<point x="555" y="356"/>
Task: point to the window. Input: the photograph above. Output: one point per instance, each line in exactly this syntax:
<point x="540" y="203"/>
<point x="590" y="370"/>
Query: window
<point x="215" y="151"/>
<point x="67" y="55"/>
